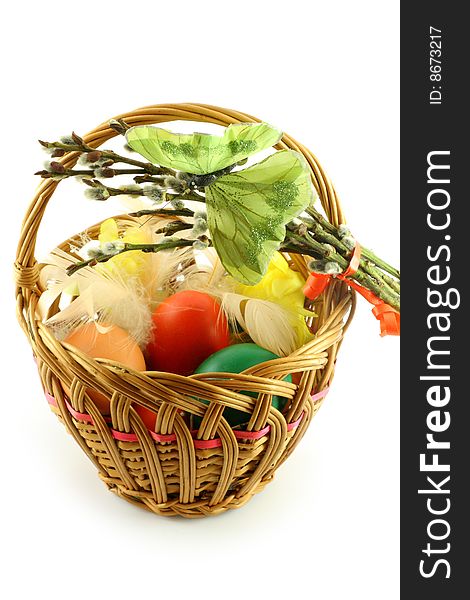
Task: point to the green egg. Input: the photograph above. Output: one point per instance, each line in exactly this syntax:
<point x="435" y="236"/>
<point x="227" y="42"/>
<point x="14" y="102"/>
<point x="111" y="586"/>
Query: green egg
<point x="234" y="359"/>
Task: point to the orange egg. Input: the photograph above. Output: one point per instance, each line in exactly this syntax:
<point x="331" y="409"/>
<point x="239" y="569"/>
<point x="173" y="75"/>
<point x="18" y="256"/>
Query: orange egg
<point x="112" y="343"/>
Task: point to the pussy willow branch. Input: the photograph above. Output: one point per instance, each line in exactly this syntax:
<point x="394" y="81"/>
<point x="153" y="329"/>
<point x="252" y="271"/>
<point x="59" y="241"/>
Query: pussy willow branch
<point x="316" y="230"/>
<point x="368" y="254"/>
<point x="294" y="243"/>
<point x="174" y="227"/>
<point x="45" y="174"/>
<point x="148" y="179"/>
<point x="109" y="155"/>
<point x="128" y="248"/>
<point x="131" y="191"/>
<point x="316" y="237"/>
<point x="307" y="245"/>
<point x="163" y="212"/>
<point x="315" y="242"/>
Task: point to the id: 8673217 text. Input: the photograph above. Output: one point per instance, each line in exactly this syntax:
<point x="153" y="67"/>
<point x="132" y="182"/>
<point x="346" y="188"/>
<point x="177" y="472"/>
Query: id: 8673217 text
<point x="435" y="65"/>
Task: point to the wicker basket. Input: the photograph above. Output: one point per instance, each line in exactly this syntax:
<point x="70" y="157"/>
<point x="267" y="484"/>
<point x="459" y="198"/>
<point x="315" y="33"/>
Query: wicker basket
<point x="172" y="470"/>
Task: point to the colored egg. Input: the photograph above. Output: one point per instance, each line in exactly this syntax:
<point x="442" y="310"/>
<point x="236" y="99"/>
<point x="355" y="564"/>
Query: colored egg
<point x="235" y="359"/>
<point x="110" y="342"/>
<point x="188" y="327"/>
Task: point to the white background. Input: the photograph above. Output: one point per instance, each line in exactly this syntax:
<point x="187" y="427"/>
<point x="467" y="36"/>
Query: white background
<point x="325" y="72"/>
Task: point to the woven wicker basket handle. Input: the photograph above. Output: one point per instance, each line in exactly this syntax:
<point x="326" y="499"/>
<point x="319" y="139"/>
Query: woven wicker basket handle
<point x="26" y="266"/>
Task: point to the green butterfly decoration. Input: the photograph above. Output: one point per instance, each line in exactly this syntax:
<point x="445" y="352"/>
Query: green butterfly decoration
<point x="201" y="153"/>
<point x="247" y="210"/>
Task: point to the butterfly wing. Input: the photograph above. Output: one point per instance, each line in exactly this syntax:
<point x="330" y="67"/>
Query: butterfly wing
<point x="248" y="210"/>
<point x="241" y="140"/>
<point x="201" y="153"/>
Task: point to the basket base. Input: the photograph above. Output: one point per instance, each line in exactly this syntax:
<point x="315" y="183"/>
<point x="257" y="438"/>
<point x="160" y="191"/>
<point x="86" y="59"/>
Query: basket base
<point x="179" y="478"/>
<point x="173" y="508"/>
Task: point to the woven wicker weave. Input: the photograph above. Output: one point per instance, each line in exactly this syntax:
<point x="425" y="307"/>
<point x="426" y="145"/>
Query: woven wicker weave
<point x="173" y="471"/>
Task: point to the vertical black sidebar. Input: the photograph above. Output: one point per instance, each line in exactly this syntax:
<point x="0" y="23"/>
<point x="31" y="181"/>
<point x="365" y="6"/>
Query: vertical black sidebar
<point x="435" y="258"/>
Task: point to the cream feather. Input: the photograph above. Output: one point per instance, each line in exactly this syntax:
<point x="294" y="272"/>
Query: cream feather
<point x="105" y="294"/>
<point x="268" y="324"/>
<point x="205" y="272"/>
<point x="104" y="297"/>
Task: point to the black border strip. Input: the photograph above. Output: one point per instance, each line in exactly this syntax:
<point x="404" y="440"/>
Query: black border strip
<point x="435" y="235"/>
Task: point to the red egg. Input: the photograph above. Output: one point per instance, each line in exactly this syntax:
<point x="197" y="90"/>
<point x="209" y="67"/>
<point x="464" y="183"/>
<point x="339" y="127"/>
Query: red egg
<point x="187" y="328"/>
<point x="148" y="416"/>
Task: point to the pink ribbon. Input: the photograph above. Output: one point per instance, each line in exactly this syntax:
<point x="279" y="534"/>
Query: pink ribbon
<point x="161" y="438"/>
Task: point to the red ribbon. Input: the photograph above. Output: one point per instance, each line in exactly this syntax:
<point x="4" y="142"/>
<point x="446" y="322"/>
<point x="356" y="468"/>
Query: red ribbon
<point x="389" y="317"/>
